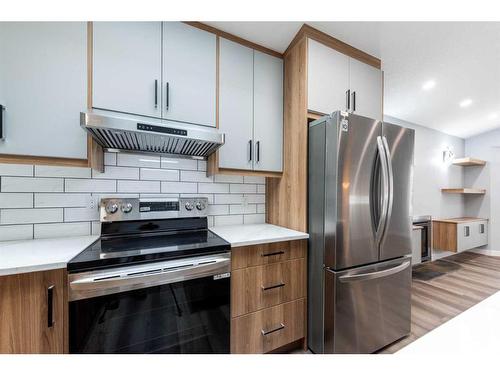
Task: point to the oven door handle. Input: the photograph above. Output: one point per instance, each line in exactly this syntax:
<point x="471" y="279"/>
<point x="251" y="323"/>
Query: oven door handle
<point x="93" y="284"/>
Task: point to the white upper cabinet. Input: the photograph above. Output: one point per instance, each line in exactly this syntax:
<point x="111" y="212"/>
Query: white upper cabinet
<point x="43" y="87"/>
<point x="338" y="82"/>
<point x="268" y="112"/>
<point x="236" y="105"/>
<point x="127" y="67"/>
<point x="366" y="89"/>
<point x="327" y="78"/>
<point x="189" y="74"/>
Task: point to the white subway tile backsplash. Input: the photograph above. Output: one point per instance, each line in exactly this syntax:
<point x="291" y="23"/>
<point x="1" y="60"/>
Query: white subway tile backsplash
<point x="16" y="232"/>
<point x="243" y="188"/>
<point x="51" y="201"/>
<point x="89" y="186"/>
<point x="30" y="184"/>
<point x="179" y="163"/>
<point x="195" y="176"/>
<point x="62" y="230"/>
<point x="117" y="173"/>
<point x="56" y="171"/>
<point x="31" y="215"/>
<point x="16" y="200"/>
<point x="159" y="174"/>
<point x="138" y="186"/>
<point x="178" y="187"/>
<point x="62" y="199"/>
<point x="138" y="160"/>
<point x="16" y="170"/>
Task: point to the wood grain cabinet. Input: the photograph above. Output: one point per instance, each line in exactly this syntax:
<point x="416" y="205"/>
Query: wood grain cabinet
<point x="268" y="296"/>
<point x="32" y="312"/>
<point x="459" y="234"/>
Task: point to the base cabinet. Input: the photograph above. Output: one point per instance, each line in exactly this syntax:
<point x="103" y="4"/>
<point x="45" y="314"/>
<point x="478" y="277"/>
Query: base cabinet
<point x="32" y="312"/>
<point x="459" y="234"/>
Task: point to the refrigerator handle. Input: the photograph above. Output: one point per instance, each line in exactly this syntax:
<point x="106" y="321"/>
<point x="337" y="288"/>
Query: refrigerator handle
<point x="391" y="178"/>
<point x="385" y="191"/>
<point x="374" y="275"/>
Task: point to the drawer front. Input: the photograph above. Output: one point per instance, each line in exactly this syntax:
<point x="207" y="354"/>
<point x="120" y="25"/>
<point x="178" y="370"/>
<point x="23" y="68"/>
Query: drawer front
<point x="259" y="287"/>
<point x="465" y="236"/>
<point x="268" y="329"/>
<point x="256" y="255"/>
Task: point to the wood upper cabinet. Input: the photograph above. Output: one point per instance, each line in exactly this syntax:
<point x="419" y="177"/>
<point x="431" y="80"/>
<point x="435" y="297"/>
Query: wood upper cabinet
<point x="338" y="82"/>
<point x="127" y="67"/>
<point x="164" y="70"/>
<point x="32" y="312"/>
<point x="250" y="109"/>
<point x="43" y="87"/>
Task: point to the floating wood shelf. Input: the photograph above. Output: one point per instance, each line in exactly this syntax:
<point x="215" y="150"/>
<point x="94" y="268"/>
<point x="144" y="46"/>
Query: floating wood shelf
<point x="469" y="162"/>
<point x="464" y="191"/>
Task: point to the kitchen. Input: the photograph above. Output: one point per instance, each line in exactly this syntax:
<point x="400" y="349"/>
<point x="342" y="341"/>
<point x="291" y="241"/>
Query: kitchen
<point x="193" y="188"/>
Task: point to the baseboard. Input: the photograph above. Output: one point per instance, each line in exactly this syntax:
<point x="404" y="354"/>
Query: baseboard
<point x="494" y="253"/>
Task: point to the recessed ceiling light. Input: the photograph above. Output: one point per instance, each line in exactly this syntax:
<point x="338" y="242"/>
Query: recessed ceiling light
<point x="493" y="116"/>
<point x="465" y="103"/>
<point x="428" y="85"/>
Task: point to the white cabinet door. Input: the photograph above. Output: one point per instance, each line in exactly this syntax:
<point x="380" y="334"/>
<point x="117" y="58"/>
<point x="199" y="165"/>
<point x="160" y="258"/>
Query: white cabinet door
<point x="236" y="105"/>
<point x="268" y="112"/>
<point x="127" y="67"/>
<point x="43" y="86"/>
<point x="365" y="83"/>
<point x="327" y="78"/>
<point x="189" y="74"/>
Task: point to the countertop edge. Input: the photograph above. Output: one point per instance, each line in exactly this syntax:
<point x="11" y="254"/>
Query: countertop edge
<point x="268" y="240"/>
<point x="32" y="268"/>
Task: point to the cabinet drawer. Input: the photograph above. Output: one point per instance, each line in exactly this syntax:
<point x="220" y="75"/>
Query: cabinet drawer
<point x="259" y="287"/>
<point x="268" y="329"/>
<point x="480" y="233"/>
<point x="256" y="255"/>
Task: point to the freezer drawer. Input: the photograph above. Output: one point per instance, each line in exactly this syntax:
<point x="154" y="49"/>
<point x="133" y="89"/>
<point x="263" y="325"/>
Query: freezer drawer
<point x="367" y="308"/>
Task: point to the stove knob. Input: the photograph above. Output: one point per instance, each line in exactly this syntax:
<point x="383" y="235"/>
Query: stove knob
<point x="200" y="206"/>
<point x="127" y="207"/>
<point x="111" y="208"/>
<point x="189" y="206"/>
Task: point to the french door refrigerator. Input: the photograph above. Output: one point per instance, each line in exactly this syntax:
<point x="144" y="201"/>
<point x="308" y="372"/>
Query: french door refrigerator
<point x="360" y="184"/>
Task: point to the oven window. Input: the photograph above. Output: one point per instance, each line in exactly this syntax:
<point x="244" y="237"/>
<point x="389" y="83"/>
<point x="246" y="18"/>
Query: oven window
<point x="184" y="317"/>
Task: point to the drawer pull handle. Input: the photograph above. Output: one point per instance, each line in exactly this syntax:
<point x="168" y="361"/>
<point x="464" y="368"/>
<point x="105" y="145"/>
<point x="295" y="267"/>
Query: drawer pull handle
<point x="280" y="285"/>
<point x="265" y="333"/>
<point x="281" y="252"/>
<point x="50" y="306"/>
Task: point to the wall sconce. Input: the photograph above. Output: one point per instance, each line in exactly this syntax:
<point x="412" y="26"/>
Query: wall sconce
<point x="448" y="155"/>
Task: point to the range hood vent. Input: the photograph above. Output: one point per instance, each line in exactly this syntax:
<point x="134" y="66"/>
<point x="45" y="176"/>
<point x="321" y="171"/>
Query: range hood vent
<point x="142" y="134"/>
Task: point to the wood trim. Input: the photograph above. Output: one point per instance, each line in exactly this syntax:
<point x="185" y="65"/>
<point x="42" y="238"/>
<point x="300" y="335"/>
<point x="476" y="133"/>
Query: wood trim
<point x="213" y="169"/>
<point x="42" y="160"/>
<point x="469" y="162"/>
<point x="464" y="191"/>
<point x="307" y="31"/>
<point x="313" y="115"/>
<point x="234" y="38"/>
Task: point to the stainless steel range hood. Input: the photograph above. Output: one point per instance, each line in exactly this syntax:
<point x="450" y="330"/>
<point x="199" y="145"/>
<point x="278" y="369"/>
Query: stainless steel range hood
<point x="122" y="132"/>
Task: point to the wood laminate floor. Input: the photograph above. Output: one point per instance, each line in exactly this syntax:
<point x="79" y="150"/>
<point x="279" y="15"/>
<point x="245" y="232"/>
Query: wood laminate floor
<point x="444" y="288"/>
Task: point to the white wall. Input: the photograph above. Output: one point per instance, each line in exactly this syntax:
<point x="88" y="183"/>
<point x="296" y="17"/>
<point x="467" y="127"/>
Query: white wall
<point x="47" y="201"/>
<point x="431" y="174"/>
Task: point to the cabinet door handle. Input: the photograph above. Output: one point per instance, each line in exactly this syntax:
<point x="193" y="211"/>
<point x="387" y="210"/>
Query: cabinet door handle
<point x="257" y="146"/>
<point x="348" y="100"/>
<point x="265" y="333"/>
<point x="50" y="306"/>
<point x="280" y="285"/>
<point x="466" y="231"/>
<point x="481" y="228"/>
<point x="281" y="252"/>
<point x="250" y="150"/>
<point x="167" y="104"/>
<point x="156" y="93"/>
<point x="1" y="122"/>
<point x="354" y="101"/>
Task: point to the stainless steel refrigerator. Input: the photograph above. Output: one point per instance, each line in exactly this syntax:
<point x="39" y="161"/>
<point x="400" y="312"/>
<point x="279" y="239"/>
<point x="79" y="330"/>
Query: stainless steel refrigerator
<point x="360" y="184"/>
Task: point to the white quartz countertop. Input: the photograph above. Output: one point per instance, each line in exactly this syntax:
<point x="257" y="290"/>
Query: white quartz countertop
<point x="40" y="255"/>
<point x="254" y="234"/>
<point x="473" y="332"/>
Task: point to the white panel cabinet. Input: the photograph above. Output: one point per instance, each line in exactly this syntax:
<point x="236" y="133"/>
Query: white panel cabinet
<point x="189" y="71"/>
<point x="268" y="112"/>
<point x="472" y="234"/>
<point x="127" y="67"/>
<point x="236" y="105"/>
<point x="327" y="78"/>
<point x="337" y="82"/>
<point x="250" y="109"/>
<point x="43" y="87"/>
<point x="365" y="83"/>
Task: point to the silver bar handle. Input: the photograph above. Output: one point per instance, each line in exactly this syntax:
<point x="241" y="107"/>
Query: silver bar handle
<point x="167" y="95"/>
<point x="265" y="333"/>
<point x="391" y="178"/>
<point x="374" y="275"/>
<point x="385" y="197"/>
<point x="156" y="93"/>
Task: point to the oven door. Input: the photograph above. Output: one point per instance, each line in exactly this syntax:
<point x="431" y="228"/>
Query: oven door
<point x="166" y="307"/>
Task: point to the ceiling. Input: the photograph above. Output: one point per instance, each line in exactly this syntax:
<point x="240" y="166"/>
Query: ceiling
<point x="462" y="58"/>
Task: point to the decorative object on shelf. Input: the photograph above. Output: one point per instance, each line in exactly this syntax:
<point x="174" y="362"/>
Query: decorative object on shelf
<point x="448" y="155"/>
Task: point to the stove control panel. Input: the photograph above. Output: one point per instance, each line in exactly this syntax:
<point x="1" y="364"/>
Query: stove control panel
<point x="126" y="209"/>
